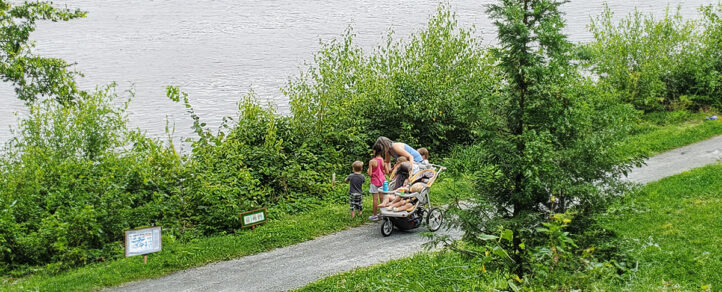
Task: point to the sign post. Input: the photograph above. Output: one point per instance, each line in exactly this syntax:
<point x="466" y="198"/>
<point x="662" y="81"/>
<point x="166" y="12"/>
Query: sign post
<point x="142" y="242"/>
<point x="253" y="218"/>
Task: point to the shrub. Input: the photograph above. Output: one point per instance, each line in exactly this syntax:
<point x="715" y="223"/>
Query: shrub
<point x="75" y="178"/>
<point x="670" y="63"/>
<point x="424" y="91"/>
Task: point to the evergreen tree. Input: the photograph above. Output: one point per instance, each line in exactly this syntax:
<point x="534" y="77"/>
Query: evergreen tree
<point x="550" y="136"/>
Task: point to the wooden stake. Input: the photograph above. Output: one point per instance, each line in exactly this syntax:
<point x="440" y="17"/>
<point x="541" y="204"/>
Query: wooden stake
<point x="145" y="259"/>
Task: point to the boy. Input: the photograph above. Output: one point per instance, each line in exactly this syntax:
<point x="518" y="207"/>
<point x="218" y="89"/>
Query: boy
<point x="424" y="155"/>
<point x="356" y="179"/>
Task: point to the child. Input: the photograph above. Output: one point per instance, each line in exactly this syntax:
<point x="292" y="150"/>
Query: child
<point x="356" y="179"/>
<point x="377" y="171"/>
<point x="400" y="181"/>
<point x="424" y="155"/>
<point x="396" y="166"/>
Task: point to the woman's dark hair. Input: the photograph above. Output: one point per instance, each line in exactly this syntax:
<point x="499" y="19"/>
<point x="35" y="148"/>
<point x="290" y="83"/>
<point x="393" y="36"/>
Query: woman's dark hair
<point x="383" y="145"/>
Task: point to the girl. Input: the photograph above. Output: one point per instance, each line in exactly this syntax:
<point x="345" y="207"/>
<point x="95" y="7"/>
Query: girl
<point x="377" y="171"/>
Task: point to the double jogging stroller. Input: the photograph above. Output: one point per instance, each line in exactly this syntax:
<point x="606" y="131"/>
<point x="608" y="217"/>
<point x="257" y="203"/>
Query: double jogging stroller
<point x="421" y="212"/>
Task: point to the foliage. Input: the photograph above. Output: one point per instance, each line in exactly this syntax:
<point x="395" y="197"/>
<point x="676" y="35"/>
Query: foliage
<point x="670" y="63"/>
<point x="282" y="229"/>
<point x="424" y="91"/>
<point x="75" y="178"/>
<point x="34" y="76"/>
<point x="548" y="133"/>
<point x="238" y="168"/>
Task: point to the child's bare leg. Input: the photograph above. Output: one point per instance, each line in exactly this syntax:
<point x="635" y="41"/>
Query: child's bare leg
<point x="396" y="200"/>
<point x="385" y="201"/>
<point x="375" y="203"/>
<point x="353" y="213"/>
<point x="397" y="203"/>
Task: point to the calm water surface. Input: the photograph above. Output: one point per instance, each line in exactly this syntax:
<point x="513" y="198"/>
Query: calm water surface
<point x="219" y="50"/>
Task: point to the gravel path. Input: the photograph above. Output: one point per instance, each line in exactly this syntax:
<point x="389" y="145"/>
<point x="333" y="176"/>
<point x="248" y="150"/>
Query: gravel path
<point x="678" y="160"/>
<point x="297" y="265"/>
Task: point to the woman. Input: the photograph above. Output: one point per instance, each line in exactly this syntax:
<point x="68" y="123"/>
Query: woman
<point x="396" y="150"/>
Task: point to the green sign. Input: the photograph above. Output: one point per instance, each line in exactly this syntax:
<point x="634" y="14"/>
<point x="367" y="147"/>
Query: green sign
<point x="252" y="218"/>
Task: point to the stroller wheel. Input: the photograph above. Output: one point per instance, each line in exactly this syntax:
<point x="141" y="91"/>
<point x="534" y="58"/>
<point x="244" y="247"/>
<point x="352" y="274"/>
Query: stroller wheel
<point x="434" y="219"/>
<point x="387" y="227"/>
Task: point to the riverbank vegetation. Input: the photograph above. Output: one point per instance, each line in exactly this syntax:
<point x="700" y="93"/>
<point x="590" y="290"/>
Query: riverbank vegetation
<point x="76" y="176"/>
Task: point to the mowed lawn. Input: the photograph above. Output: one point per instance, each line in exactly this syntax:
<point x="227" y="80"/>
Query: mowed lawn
<point x="673" y="228"/>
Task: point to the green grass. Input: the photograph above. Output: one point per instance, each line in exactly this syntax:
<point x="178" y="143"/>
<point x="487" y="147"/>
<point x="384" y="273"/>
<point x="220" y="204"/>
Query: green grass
<point x="422" y="272"/>
<point x="284" y="230"/>
<point x="662" y="131"/>
<point x="672" y="228"/>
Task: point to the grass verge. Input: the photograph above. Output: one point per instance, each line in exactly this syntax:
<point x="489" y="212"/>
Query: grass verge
<point x="283" y="230"/>
<point x="445" y="271"/>
<point x="662" y="131"/>
<point x="176" y="255"/>
<point x="673" y="229"/>
<point x="670" y="227"/>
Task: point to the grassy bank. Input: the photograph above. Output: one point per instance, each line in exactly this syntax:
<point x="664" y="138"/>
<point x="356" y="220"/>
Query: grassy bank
<point x="670" y="228"/>
<point x="175" y="256"/>
<point x="281" y="230"/>
<point x="662" y="131"/>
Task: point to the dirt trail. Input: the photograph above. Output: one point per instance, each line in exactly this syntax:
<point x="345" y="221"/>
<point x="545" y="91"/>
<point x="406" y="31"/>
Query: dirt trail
<point x="297" y="265"/>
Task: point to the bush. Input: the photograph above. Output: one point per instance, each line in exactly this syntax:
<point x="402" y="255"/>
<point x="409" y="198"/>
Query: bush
<point x="75" y="178"/>
<point x="670" y="63"/>
<point x="425" y="91"/>
<point x="255" y="161"/>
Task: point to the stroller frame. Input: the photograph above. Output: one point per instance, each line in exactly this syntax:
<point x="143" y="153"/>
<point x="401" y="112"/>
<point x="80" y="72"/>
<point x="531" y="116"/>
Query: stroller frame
<point x="421" y="212"/>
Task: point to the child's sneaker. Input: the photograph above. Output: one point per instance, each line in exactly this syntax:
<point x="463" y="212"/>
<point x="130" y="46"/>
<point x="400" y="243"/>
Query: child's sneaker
<point x="374" y="217"/>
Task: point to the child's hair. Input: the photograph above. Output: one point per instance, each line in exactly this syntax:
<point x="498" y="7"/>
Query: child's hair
<point x="402" y="174"/>
<point x="357" y="166"/>
<point x="378" y="149"/>
<point x="401" y="159"/>
<point x="424" y="153"/>
<point x="383" y="145"/>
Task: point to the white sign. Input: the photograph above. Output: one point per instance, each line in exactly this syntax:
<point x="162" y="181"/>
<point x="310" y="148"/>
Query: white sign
<point x="142" y="241"/>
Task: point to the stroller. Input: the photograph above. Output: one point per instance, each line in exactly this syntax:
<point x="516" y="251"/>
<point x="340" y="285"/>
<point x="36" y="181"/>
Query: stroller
<point x="421" y="211"/>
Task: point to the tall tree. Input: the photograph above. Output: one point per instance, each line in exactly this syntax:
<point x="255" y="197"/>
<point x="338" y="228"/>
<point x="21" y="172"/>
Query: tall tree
<point x="550" y="134"/>
<point x="31" y="75"/>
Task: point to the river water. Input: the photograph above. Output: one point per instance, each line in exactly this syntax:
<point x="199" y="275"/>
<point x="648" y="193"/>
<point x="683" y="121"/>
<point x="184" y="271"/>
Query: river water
<point x="218" y="50"/>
